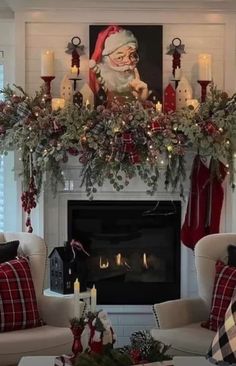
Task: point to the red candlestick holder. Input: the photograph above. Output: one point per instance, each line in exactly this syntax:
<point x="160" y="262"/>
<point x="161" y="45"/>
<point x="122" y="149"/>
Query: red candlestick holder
<point x="47" y="86"/>
<point x="204" y="84"/>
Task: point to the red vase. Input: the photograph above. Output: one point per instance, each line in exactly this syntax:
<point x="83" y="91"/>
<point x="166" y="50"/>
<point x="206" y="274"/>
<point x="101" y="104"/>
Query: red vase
<point x="77" y="346"/>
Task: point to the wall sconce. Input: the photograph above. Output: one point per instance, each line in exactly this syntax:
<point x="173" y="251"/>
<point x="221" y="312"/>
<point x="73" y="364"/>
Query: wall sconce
<point x="175" y="49"/>
<point x="75" y="48"/>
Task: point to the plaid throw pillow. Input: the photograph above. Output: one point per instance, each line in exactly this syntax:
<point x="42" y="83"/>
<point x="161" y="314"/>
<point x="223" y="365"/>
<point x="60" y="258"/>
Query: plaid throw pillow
<point x="225" y="283"/>
<point x="223" y="348"/>
<point x="18" y="306"/>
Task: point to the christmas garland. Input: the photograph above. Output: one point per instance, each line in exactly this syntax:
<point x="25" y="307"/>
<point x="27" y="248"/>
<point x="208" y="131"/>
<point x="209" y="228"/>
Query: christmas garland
<point x="114" y="143"/>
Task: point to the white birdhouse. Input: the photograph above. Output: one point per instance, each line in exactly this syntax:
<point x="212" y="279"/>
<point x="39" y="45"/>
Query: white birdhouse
<point x="183" y="93"/>
<point x="87" y="94"/>
<point x="66" y="89"/>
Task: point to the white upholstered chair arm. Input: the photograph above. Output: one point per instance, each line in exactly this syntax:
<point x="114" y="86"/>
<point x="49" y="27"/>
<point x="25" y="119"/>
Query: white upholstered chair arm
<point x="177" y="313"/>
<point x="57" y="311"/>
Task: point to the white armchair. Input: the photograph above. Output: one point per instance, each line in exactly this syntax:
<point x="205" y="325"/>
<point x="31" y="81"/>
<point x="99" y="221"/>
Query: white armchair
<point x="179" y="321"/>
<point x="55" y="337"/>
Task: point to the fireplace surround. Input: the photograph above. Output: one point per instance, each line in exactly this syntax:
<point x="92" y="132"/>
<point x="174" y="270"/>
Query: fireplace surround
<point x="134" y="248"/>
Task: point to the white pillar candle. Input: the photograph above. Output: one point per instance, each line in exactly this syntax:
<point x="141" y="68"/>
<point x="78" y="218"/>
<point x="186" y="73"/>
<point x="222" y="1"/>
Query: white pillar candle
<point x="158" y="107"/>
<point x="77" y="299"/>
<point x="93" y="298"/>
<point x="204" y="67"/>
<point x="57" y="103"/>
<point x="178" y="73"/>
<point x="47" y="63"/>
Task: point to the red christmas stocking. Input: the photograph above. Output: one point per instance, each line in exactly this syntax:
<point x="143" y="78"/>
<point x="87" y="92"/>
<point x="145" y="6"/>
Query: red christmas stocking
<point x="215" y="196"/>
<point x="193" y="227"/>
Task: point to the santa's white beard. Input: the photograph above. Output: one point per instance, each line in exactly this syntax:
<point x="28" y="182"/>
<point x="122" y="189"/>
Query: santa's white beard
<point x="116" y="81"/>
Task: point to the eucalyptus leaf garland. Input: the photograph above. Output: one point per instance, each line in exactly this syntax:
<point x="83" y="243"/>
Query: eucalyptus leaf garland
<point x="117" y="142"/>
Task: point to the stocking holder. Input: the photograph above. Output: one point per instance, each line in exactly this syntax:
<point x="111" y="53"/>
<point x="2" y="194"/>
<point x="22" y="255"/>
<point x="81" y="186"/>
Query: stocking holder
<point x="47" y="86"/>
<point x="204" y="84"/>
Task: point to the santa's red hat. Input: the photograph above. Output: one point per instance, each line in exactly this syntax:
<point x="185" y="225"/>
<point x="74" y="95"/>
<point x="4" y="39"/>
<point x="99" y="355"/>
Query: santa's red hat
<point x="109" y="40"/>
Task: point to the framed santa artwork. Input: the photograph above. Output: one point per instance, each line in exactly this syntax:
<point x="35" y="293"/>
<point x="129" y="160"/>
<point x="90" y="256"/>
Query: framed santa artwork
<point x="126" y="61"/>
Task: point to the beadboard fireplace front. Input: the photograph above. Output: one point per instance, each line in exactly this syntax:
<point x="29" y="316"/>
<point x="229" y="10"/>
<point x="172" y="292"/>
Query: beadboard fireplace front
<point x="134" y="248"/>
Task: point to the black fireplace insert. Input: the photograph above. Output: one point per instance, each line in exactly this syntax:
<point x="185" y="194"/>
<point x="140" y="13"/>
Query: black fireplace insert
<point x="134" y="249"/>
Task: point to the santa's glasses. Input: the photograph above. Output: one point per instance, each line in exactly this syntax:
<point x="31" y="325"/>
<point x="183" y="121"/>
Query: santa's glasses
<point x="125" y="59"/>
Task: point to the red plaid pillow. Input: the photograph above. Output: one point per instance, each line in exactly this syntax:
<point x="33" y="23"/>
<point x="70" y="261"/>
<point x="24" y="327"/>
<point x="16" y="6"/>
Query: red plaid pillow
<point x="18" y="306"/>
<point x="225" y="283"/>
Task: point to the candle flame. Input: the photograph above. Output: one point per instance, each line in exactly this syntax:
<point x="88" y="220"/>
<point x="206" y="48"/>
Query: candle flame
<point x="103" y="264"/>
<point x="74" y="70"/>
<point x="145" y="260"/>
<point x="118" y="259"/>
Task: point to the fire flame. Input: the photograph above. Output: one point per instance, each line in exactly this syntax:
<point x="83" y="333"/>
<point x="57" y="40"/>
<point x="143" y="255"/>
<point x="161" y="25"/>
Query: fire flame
<point x="103" y="264"/>
<point x="118" y="259"/>
<point x="145" y="264"/>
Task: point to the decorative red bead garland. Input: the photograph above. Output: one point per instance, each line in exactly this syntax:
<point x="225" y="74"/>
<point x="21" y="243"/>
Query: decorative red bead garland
<point x="28" y="199"/>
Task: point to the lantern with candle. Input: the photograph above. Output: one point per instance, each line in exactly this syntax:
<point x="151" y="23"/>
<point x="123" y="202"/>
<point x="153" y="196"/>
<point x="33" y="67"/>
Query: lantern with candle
<point x="175" y="49"/>
<point x="75" y="48"/>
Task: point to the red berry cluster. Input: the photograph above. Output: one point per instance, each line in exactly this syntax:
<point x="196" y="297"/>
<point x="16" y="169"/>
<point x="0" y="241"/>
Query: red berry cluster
<point x="28" y="199"/>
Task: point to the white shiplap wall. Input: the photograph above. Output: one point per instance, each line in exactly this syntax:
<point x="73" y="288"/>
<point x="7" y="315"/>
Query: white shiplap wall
<point x="198" y="38"/>
<point x="1" y="193"/>
<point x="211" y="33"/>
<point x="2" y="201"/>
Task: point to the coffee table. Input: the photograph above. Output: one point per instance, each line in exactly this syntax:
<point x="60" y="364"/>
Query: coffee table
<point x="190" y="361"/>
<point x="49" y="361"/>
<point x="177" y="361"/>
<point x="37" y="361"/>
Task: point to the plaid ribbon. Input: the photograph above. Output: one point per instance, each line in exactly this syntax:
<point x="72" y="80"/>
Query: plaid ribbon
<point x="15" y="119"/>
<point x="156" y="127"/>
<point x="23" y="110"/>
<point x="2" y="116"/>
<point x="223" y="348"/>
<point x="129" y="147"/>
<point x="39" y="149"/>
<point x="98" y="128"/>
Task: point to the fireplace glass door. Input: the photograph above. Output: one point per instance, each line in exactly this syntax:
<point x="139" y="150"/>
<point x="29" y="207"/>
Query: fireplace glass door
<point x="134" y="248"/>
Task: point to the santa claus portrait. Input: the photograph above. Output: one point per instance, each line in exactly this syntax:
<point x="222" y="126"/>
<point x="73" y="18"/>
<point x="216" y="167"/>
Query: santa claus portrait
<point x="126" y="62"/>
